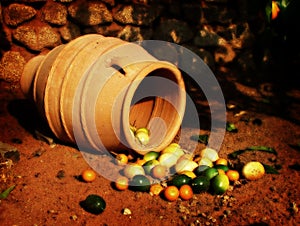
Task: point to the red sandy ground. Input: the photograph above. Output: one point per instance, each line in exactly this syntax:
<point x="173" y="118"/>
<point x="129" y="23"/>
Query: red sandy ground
<point x="42" y="198"/>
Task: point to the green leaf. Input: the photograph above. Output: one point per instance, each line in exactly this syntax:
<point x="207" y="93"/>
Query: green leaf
<point x="230" y="127"/>
<point x="268" y="10"/>
<point x="270" y="169"/>
<point x="4" y="194"/>
<point x="284" y="3"/>
<point x="262" y="148"/>
<point x="200" y="138"/>
<point x="234" y="154"/>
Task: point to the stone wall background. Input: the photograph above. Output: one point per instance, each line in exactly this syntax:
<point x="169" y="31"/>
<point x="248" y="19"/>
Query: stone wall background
<point x="221" y="32"/>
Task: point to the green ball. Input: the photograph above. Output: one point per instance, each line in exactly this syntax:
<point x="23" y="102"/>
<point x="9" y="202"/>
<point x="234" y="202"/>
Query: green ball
<point x="94" y="204"/>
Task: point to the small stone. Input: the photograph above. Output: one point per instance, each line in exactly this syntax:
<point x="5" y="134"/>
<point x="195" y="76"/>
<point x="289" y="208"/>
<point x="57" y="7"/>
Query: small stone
<point x="16" y="14"/>
<point x="207" y="37"/>
<point x="8" y="151"/>
<point x="227" y="212"/>
<point x="132" y="34"/>
<point x="37" y="37"/>
<point x="60" y="174"/>
<point x="224" y="54"/>
<point x="69" y="32"/>
<point x="242" y="37"/>
<point x="5" y="163"/>
<point x="90" y="13"/>
<point x="11" y="66"/>
<point x="173" y="30"/>
<point x="127" y="211"/>
<point x="295" y="208"/>
<point x="74" y="217"/>
<point x="38" y="152"/>
<point x="45" y="138"/>
<point x="136" y="14"/>
<point x="273" y="188"/>
<point x="203" y="214"/>
<point x="55" y="13"/>
<point x="52" y="211"/>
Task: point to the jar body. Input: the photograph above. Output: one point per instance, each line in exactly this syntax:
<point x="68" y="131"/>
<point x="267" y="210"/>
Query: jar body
<point x="91" y="90"/>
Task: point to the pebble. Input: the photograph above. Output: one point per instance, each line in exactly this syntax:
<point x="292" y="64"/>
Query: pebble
<point x="69" y="32"/>
<point x="136" y="14"/>
<point x="174" y="31"/>
<point x="55" y="13"/>
<point x="74" y="217"/>
<point x="37" y="38"/>
<point x="60" y="174"/>
<point x="11" y="66"/>
<point x="16" y="14"/>
<point x="132" y="33"/>
<point x="90" y="13"/>
<point x="127" y="211"/>
<point x="8" y="151"/>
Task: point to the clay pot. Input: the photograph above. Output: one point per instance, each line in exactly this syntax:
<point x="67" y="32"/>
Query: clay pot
<point x="91" y="90"/>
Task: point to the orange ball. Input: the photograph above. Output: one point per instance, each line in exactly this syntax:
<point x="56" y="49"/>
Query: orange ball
<point x="88" y="175"/>
<point x="186" y="192"/>
<point x="171" y="193"/>
<point x="221" y="161"/>
<point x="233" y="175"/>
<point x="121" y="183"/>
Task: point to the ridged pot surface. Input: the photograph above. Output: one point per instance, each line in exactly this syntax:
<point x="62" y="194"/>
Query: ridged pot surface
<point x="91" y="90"/>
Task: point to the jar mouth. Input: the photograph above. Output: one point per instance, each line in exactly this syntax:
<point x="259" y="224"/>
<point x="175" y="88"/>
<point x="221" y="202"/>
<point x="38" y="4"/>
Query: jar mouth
<point x="157" y="102"/>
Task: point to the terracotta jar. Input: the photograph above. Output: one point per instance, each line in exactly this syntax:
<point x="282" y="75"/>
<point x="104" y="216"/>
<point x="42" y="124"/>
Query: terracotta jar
<point x="91" y="90"/>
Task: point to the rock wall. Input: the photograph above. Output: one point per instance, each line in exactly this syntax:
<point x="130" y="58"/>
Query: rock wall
<point x="219" y="31"/>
